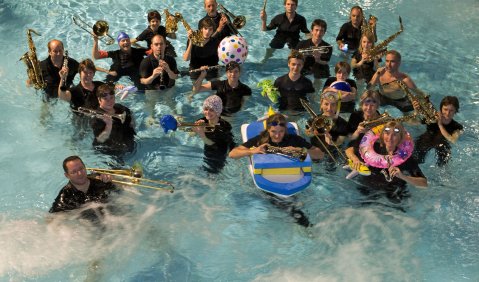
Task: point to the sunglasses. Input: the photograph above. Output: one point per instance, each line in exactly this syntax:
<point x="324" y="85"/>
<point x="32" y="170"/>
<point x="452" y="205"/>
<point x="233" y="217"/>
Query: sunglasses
<point x="104" y="95"/>
<point x="369" y="101"/>
<point x="276" y="123"/>
<point x="396" y="130"/>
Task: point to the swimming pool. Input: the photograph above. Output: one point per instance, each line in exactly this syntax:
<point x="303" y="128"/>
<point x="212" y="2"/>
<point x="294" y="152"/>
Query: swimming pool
<point x="220" y="227"/>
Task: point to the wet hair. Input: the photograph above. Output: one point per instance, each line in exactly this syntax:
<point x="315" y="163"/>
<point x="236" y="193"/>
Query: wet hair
<point x="86" y="64"/>
<point x="295" y="55"/>
<point x="395" y="53"/>
<point x="153" y="14"/>
<point x="295" y="1"/>
<point x="70" y="159"/>
<point x="276" y="118"/>
<point x="104" y="88"/>
<point x="450" y="100"/>
<point x="51" y="41"/>
<point x="373" y="94"/>
<point x="369" y="36"/>
<point x="393" y="124"/>
<point x="232" y="65"/>
<point x="320" y="23"/>
<point x="206" y="23"/>
<point x="342" y="66"/>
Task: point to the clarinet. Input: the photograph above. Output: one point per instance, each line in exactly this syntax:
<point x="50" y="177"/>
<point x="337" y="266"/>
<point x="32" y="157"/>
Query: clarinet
<point x="162" y="84"/>
<point x="63" y="86"/>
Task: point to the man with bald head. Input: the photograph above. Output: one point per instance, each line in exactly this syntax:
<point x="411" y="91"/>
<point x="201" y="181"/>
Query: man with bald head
<point x="220" y="28"/>
<point x="52" y="65"/>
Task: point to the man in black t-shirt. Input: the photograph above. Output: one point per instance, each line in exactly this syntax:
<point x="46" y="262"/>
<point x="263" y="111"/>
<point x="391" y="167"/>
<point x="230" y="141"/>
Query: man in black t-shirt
<point x="232" y="92"/>
<point x="220" y="20"/>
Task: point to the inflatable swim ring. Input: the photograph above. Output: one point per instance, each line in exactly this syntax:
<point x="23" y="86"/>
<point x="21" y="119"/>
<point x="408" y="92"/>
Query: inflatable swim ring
<point x="371" y="158"/>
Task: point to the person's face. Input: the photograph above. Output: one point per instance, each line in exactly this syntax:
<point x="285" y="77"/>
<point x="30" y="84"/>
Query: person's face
<point x="369" y="106"/>
<point x="290" y="6"/>
<point x="329" y="107"/>
<point x="107" y="100"/>
<point x="356" y="17"/>
<point x="86" y="76"/>
<point x="448" y="112"/>
<point x="125" y="44"/>
<point x="276" y="133"/>
<point x="365" y="43"/>
<point x="76" y="172"/>
<point x="295" y="65"/>
<point x="56" y="51"/>
<point x="211" y="7"/>
<point x="158" y="45"/>
<point x="391" y="137"/>
<point x="318" y="33"/>
<point x="210" y="114"/>
<point x="342" y="74"/>
<point x="392" y="63"/>
<point x="154" y="24"/>
<point x="207" y="32"/>
<point x="233" y="75"/>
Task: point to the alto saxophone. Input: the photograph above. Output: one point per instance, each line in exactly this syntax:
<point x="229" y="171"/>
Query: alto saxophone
<point x="171" y="22"/>
<point x="426" y="109"/>
<point x="295" y="153"/>
<point x="196" y="36"/>
<point x="380" y="49"/>
<point x="385" y="118"/>
<point x="34" y="71"/>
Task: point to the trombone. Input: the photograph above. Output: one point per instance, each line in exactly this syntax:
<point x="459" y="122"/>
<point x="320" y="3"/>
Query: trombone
<point x="100" y="29"/>
<point x="97" y="114"/>
<point x="238" y="21"/>
<point x="133" y="177"/>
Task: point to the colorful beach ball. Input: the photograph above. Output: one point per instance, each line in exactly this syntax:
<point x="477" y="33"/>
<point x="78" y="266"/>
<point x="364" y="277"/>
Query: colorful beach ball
<point x="233" y="49"/>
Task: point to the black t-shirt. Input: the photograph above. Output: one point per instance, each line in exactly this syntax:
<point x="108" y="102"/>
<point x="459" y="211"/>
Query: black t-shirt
<point x="350" y="35"/>
<point x="340" y="128"/>
<point x="286" y="29"/>
<point x="292" y="91"/>
<point x="81" y="97"/>
<point x="232" y="97"/>
<point x="206" y="55"/>
<point x="122" y="134"/>
<point x="366" y="70"/>
<point x="148" y="34"/>
<point x="222" y="138"/>
<point x="71" y="198"/>
<point x="51" y="75"/>
<point x="122" y="60"/>
<point x="150" y="63"/>
<point x="435" y="135"/>
<point x="288" y="140"/>
<point x="310" y="65"/>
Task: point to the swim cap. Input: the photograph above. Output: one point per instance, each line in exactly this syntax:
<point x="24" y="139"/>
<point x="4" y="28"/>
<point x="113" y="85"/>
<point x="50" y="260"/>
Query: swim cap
<point x="213" y="102"/>
<point x="121" y="36"/>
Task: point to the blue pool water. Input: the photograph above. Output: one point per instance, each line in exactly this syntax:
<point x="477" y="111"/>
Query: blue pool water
<point x="220" y="227"/>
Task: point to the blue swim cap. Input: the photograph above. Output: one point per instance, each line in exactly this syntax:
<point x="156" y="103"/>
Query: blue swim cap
<point x="121" y="36"/>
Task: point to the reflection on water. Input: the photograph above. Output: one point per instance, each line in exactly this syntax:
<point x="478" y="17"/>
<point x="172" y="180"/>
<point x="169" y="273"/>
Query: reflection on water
<point x="219" y="226"/>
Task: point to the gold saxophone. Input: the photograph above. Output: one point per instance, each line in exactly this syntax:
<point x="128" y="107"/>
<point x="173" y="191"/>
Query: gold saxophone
<point x="171" y="22"/>
<point x="385" y="118"/>
<point x="367" y="27"/>
<point x="426" y="109"/>
<point x="380" y="49"/>
<point x="196" y="37"/>
<point x="34" y="71"/>
<point x="293" y="153"/>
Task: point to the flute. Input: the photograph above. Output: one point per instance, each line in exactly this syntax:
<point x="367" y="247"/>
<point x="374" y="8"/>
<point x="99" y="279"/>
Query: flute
<point x="209" y="68"/>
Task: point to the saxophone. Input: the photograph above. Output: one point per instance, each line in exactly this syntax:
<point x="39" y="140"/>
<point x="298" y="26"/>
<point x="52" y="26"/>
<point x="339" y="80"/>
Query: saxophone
<point x="196" y="37"/>
<point x="385" y="118"/>
<point x="426" y="109"/>
<point x="380" y="49"/>
<point x="34" y="71"/>
<point x="171" y="22"/>
<point x="295" y="153"/>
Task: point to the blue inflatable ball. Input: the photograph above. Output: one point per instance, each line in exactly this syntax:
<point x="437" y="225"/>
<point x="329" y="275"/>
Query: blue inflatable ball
<point x="341" y="85"/>
<point x="168" y="122"/>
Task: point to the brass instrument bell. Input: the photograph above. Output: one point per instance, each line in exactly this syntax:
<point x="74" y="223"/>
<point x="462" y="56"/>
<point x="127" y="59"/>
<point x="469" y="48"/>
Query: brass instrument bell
<point x="100" y="28"/>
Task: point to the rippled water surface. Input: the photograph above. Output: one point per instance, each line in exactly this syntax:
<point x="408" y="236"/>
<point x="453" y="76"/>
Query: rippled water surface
<point x="220" y="227"/>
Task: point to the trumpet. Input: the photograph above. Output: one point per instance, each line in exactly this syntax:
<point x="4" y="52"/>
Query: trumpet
<point x="133" y="177"/>
<point x="238" y="21"/>
<point x="97" y="114"/>
<point x="100" y="29"/>
<point x="311" y="50"/>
